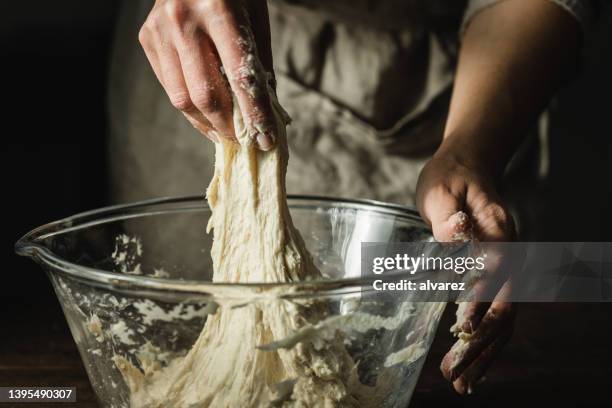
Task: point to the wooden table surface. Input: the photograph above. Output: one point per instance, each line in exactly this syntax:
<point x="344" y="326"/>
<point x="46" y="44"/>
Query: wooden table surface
<point x="36" y="349"/>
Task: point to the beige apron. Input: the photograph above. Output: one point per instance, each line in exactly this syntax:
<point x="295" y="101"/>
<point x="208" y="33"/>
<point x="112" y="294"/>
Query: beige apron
<point x="368" y="103"/>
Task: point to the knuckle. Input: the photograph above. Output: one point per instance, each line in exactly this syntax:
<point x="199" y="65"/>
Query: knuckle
<point x="497" y="212"/>
<point x="246" y="78"/>
<point x="257" y="116"/>
<point x="499" y="217"/>
<point x="181" y="101"/>
<point x="175" y="11"/>
<point x="482" y="201"/>
<point x="206" y="101"/>
<point x="213" y="8"/>
<point x="153" y="22"/>
<point x="502" y="311"/>
<point x="144" y="35"/>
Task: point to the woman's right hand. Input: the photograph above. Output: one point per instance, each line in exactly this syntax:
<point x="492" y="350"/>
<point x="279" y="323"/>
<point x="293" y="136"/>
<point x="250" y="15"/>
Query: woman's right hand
<point x="202" y="51"/>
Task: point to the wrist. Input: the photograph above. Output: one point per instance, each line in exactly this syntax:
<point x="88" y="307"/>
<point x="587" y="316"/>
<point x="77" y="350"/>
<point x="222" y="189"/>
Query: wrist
<point x="475" y="151"/>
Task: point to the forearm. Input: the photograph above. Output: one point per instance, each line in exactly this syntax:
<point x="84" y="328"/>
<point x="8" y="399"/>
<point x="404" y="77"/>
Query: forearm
<point x="514" y="56"/>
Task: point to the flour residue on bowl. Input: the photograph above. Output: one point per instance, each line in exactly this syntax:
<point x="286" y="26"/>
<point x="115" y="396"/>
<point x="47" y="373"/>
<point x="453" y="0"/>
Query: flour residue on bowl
<point x="127" y="254"/>
<point x="261" y="353"/>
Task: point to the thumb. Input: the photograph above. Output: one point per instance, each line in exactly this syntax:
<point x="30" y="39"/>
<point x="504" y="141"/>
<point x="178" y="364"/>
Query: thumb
<point x="447" y="219"/>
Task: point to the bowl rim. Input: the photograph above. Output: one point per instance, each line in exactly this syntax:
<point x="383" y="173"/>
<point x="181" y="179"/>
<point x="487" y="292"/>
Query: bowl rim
<point x="27" y="246"/>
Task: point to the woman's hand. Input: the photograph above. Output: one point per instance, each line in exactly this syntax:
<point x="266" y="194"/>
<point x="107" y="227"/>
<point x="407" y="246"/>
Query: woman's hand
<point x="459" y="200"/>
<point x="514" y="55"/>
<point x="203" y="51"/>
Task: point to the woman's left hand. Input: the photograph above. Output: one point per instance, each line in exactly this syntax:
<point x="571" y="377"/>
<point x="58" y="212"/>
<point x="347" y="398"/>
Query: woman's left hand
<point x="458" y="199"/>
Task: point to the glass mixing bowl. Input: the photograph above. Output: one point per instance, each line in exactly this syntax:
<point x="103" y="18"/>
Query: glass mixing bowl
<point x="134" y="282"/>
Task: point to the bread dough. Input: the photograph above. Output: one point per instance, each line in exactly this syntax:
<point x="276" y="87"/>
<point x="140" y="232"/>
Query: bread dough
<point x="254" y="241"/>
<point x="272" y="351"/>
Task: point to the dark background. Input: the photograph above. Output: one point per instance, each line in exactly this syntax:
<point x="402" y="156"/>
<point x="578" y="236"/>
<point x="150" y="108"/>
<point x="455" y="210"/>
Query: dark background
<point x="55" y="58"/>
<point x="54" y="63"/>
